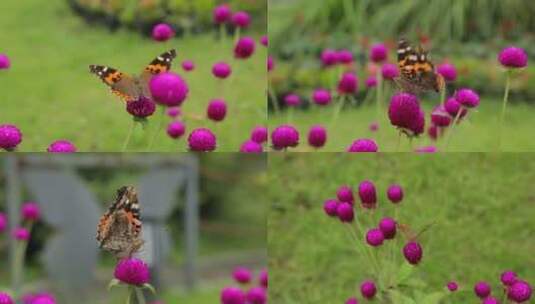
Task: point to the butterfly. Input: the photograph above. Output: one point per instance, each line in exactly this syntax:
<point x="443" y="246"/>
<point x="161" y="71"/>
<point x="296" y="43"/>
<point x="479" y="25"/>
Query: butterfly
<point x="412" y="235"/>
<point x="418" y="74"/>
<point x="119" y="229"/>
<point x="128" y="87"/>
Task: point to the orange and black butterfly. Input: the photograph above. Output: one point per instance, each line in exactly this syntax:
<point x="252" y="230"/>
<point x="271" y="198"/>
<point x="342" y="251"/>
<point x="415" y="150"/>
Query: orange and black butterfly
<point x="417" y="73"/>
<point x="411" y="235"/>
<point x="128" y="87"/>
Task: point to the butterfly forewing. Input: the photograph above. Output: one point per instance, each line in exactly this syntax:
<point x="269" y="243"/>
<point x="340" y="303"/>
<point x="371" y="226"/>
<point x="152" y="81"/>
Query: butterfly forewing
<point x="417" y="72"/>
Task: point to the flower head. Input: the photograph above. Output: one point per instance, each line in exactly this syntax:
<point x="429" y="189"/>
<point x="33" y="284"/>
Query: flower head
<point x="345" y="212"/>
<point x="3" y="223"/>
<point x="404" y="111"/>
<point x="374" y="126"/>
<point x="5" y="298"/>
<point x="141" y="108"/>
<point x="232" y="295"/>
<point x="387" y="226"/>
<point x="217" y="110"/>
<point x="368" y="289"/>
<point x="21" y="234"/>
<point x="329" y="57"/>
<point x="244" y="48"/>
<point x="513" y="57"/>
<point x="389" y="71"/>
<point x="440" y="117"/>
<point x="202" y="140"/>
<point x="188" y="65"/>
<point x="352" y="300"/>
<point x="221" y="13"/>
<point x="4" y="62"/>
<point x="242" y="275"/>
<point x="395" y="193"/>
<point x="317" y="136"/>
<point x="348" y="84"/>
<point x="284" y="136"/>
<point x="508" y="277"/>
<point x="363" y="145"/>
<point x="378" y="53"/>
<point x="490" y="300"/>
<point x="264" y="40"/>
<point x="168" y="89"/>
<point x="221" y="70"/>
<point x="10" y="137"/>
<point x="467" y="98"/>
<point x="30" y="211"/>
<point x="371" y="82"/>
<point x="448" y="71"/>
<point x="321" y="97"/>
<point x="330" y="207"/>
<point x="345" y="194"/>
<point x="452" y="286"/>
<point x="61" y="146"/>
<point x="263" y="278"/>
<point x="519" y="292"/>
<point x="292" y="100"/>
<point x="433" y="131"/>
<point x="176" y="129"/>
<point x="162" y="32"/>
<point x="40" y="298"/>
<point x="426" y="149"/>
<point x="173" y="112"/>
<point x="270" y="63"/>
<point x="375" y="237"/>
<point x="132" y="271"/>
<point x="250" y="146"/>
<point x="241" y="19"/>
<point x="367" y="194"/>
<point x="259" y="134"/>
<point x="482" y="289"/>
<point x="256" y="295"/>
<point x="452" y="106"/>
<point x="345" y="56"/>
<point x="413" y="252"/>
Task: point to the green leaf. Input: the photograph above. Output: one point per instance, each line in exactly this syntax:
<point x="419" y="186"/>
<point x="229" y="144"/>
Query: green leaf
<point x="149" y="287"/>
<point x="113" y="283"/>
<point x="433" y="298"/>
<point x="405" y="271"/>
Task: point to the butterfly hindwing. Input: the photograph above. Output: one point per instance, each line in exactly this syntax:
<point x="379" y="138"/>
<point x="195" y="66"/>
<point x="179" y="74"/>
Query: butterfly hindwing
<point x="120" y="83"/>
<point x="417" y="72"/>
<point x="161" y="63"/>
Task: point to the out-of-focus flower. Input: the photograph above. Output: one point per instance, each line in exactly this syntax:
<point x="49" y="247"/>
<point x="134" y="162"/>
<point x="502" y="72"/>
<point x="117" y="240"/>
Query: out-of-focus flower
<point x="168" y="89"/>
<point x="448" y="71"/>
<point x="259" y="134"/>
<point x="242" y="275"/>
<point x="317" y="136"/>
<point x="284" y="136"/>
<point x="378" y="53"/>
<point x="321" y="97"/>
<point x="176" y="129"/>
<point x="241" y="19"/>
<point x="292" y="100"/>
<point x="30" y="211"/>
<point x="132" y="271"/>
<point x="222" y="14"/>
<point x="4" y="62"/>
<point x="10" y="137"/>
<point x="363" y="145"/>
<point x="202" y="140"/>
<point x="188" y="65"/>
<point x="413" y="252"/>
<point x="264" y="40"/>
<point x="244" y="48"/>
<point x="368" y="289"/>
<point x="216" y="110"/>
<point x="467" y="98"/>
<point x="513" y="57"/>
<point x="250" y="146"/>
<point x="482" y="289"/>
<point x="162" y="32"/>
<point x="329" y="57"/>
<point x="221" y="70"/>
<point x="345" y="56"/>
<point x="21" y="234"/>
<point x="371" y="82"/>
<point x="348" y="84"/>
<point x="232" y="295"/>
<point x="61" y="146"/>
<point x="389" y="71"/>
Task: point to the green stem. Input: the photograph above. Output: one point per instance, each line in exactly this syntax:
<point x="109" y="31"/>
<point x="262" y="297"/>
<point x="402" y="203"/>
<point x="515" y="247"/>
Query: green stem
<point x="290" y="114"/>
<point x="222" y="33"/>
<point x="398" y="145"/>
<point x="158" y="130"/>
<point x="237" y="34"/>
<point x="337" y="110"/>
<point x="443" y="95"/>
<point x="273" y="99"/>
<point x="140" y="296"/>
<point x="504" y="106"/>
<point x="129" y="135"/>
<point x="450" y="131"/>
<point x="379" y="101"/>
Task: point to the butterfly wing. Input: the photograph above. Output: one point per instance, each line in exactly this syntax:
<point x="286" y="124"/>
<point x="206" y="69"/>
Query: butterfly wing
<point x="417" y="72"/>
<point x="120" y="83"/>
<point x="160" y="64"/>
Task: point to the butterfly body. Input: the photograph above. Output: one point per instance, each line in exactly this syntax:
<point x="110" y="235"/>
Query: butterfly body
<point x="129" y="87"/>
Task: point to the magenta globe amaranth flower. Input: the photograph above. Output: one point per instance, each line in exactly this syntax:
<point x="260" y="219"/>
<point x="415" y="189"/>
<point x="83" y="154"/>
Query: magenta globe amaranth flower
<point x="256" y="295"/>
<point x="513" y="57"/>
<point x="490" y="300"/>
<point x="4" y="62"/>
<point x="162" y="32"/>
<point x="221" y="70"/>
<point x="321" y="97"/>
<point x="202" y="140"/>
<point x="329" y="57"/>
<point x="482" y="289"/>
<point x="519" y="292"/>
<point x="317" y="136"/>
<point x="345" y="194"/>
<point x="3" y="222"/>
<point x="222" y="13"/>
<point x="259" y="134"/>
<point x="61" y="146"/>
<point x="387" y="226"/>
<point x="467" y="98"/>
<point x="284" y="136"/>
<point x="168" y="89"/>
<point x="41" y="298"/>
<point x="263" y="278"/>
<point x="250" y="146"/>
<point x="345" y="56"/>
<point x="368" y="289"/>
<point x="173" y="112"/>
<point x="452" y="286"/>
<point x="508" y="277"/>
<point x="10" y="137"/>
<point x="244" y="48"/>
<point x="141" y="108"/>
<point x="348" y="84"/>
<point x="176" y="129"/>
<point x="241" y="19"/>
<point x="395" y="193"/>
<point x="371" y="82"/>
<point x="270" y="63"/>
<point x="375" y="237"/>
<point x="232" y="295"/>
<point x="374" y="126"/>
<point x="132" y="271"/>
<point x="242" y="275"/>
<point x="378" y="53"/>
<point x="404" y="111"/>
<point x="452" y="106"/>
<point x="292" y="100"/>
<point x="418" y="126"/>
<point x="188" y="65"/>
<point x="330" y="207"/>
<point x="367" y="194"/>
<point x="30" y="211"/>
<point x="217" y="110"/>
<point x="345" y="212"/>
<point x="6" y="299"/>
<point x="352" y="301"/>
<point x="426" y="149"/>
<point x="389" y="71"/>
<point x="440" y="117"/>
<point x="21" y="234"/>
<point x="264" y="40"/>
<point x="433" y="131"/>
<point x="363" y="145"/>
<point x="448" y="71"/>
<point x="413" y="252"/>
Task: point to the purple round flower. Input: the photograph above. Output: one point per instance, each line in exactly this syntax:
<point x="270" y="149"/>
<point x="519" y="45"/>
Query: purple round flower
<point x="375" y="237"/>
<point x="371" y="82"/>
<point x="519" y="292"/>
<point x="244" y="48"/>
<point x="345" y="194"/>
<point x="30" y="211"/>
<point x="452" y="286"/>
<point x="452" y="106"/>
<point x="141" y="108"/>
<point x="352" y="301"/>
<point x="363" y="145"/>
<point x="232" y="295"/>
<point x="173" y="112"/>
<point x="389" y="71"/>
<point x="3" y="222"/>
<point x="241" y="19"/>
<point x="21" y="234"/>
<point x="317" y="136"/>
<point x="221" y="70"/>
<point x="10" y="137"/>
<point x="440" y="117"/>
<point x="331" y="207"/>
<point x="188" y="65"/>
<point x="257" y="295"/>
<point x="42" y="298"/>
<point x="345" y="56"/>
<point x="387" y="226"/>
<point x="263" y="278"/>
<point x="202" y="140"/>
<point x="482" y="289"/>
<point x="448" y="71"/>
<point x="251" y="146"/>
<point x="395" y="193"/>
<point x="378" y="52"/>
<point x="242" y="275"/>
<point x="433" y="132"/>
<point x="5" y="298"/>
<point x="264" y="40"/>
<point x="292" y="100"/>
<point x="222" y="14"/>
<point x="329" y="57"/>
<point x="426" y="149"/>
<point x="168" y="89"/>
<point x="404" y="111"/>
<point x="259" y="134"/>
<point x="4" y="62"/>
<point x="418" y="126"/>
<point x="367" y="194"/>
<point x="368" y="289"/>
<point x="162" y="32"/>
<point x="345" y="212"/>
<point x="132" y="271"/>
<point x="467" y="98"/>
<point x="270" y="63"/>
<point x="217" y="110"/>
<point x="374" y="126"/>
<point x="490" y="300"/>
<point x="413" y="252"/>
<point x="348" y="84"/>
<point x="513" y="57"/>
<point x="176" y="129"/>
<point x="284" y="136"/>
<point x="508" y="278"/>
<point x="321" y="97"/>
<point x="61" y="146"/>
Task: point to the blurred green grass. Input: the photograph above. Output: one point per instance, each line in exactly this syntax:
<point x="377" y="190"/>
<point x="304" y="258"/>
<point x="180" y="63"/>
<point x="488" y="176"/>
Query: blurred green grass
<point x="482" y="205"/>
<point x="49" y="93"/>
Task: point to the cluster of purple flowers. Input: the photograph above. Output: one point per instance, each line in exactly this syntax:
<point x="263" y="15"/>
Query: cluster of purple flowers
<point x="331" y="58"/>
<point x="223" y="14"/>
<point x="249" y="291"/>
